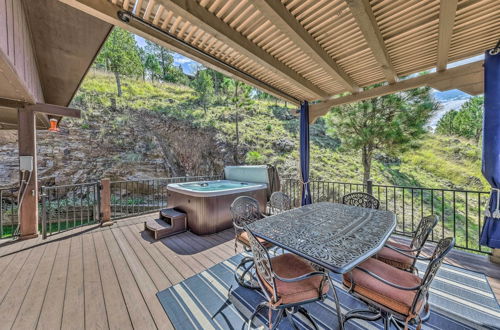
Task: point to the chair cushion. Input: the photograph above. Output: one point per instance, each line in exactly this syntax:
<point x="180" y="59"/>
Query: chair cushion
<point x="395" y="299"/>
<point x="289" y="265"/>
<point x="393" y="258"/>
<point x="242" y="237"/>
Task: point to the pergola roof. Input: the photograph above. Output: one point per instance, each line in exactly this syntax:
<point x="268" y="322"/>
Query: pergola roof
<point x="313" y="49"/>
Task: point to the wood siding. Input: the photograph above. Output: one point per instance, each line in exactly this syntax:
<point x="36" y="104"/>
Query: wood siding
<point x="19" y="77"/>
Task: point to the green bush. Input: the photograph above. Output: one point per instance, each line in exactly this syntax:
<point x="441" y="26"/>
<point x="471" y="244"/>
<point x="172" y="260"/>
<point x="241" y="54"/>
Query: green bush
<point x="255" y="158"/>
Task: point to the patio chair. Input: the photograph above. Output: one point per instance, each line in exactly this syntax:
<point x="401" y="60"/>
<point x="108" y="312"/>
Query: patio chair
<point x="361" y="199"/>
<point x="280" y="202"/>
<point x="288" y="282"/>
<point x="405" y="256"/>
<point x="245" y="210"/>
<point x="397" y="296"/>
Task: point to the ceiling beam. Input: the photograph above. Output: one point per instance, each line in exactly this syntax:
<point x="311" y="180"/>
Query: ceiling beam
<point x="107" y="12"/>
<point x="9" y="103"/>
<point x="54" y="110"/>
<point x="208" y="22"/>
<point x="363" y="14"/>
<point x="281" y="17"/>
<point x="447" y="12"/>
<point x="448" y="79"/>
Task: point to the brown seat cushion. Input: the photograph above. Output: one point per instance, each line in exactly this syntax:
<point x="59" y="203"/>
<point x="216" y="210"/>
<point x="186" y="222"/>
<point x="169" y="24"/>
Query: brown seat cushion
<point x="396" y="259"/>
<point x="289" y="265"/>
<point x="395" y="299"/>
<point x="242" y="237"/>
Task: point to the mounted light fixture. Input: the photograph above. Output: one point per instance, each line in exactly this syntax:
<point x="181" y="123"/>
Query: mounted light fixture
<point x="53" y="125"/>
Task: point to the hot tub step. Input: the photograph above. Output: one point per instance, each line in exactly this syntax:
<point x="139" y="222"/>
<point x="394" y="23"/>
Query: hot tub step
<point x="170" y="222"/>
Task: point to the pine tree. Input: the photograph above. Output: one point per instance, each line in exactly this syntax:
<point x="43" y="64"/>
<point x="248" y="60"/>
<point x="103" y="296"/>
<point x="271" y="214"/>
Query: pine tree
<point x="120" y="55"/>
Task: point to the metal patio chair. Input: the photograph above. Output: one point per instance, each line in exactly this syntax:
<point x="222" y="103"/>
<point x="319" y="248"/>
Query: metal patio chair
<point x="361" y="199"/>
<point x="280" y="202"/>
<point x="405" y="256"/>
<point x="397" y="296"/>
<point x="288" y="282"/>
<point x="245" y="210"/>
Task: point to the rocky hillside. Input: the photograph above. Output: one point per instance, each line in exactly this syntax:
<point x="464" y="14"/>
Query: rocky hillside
<point x="158" y="130"/>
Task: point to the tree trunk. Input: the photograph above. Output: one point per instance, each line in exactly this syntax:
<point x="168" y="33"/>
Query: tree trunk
<point x="118" y="83"/>
<point x="366" y="159"/>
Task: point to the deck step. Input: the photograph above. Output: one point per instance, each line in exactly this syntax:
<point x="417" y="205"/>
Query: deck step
<point x="170" y="222"/>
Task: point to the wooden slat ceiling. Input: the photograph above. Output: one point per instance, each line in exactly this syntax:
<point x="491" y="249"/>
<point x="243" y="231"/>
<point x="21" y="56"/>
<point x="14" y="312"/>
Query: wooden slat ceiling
<point x="366" y="41"/>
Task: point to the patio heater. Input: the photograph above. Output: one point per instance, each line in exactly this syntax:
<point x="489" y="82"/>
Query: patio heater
<point x="490" y="235"/>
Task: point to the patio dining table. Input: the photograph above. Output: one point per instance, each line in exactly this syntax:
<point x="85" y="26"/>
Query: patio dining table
<point x="335" y="236"/>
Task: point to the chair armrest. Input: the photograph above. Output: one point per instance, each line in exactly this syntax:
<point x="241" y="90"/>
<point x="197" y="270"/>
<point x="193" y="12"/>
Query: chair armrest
<point x="401" y="250"/>
<point x="383" y="280"/>
<point x="300" y="278"/>
<point x="238" y="227"/>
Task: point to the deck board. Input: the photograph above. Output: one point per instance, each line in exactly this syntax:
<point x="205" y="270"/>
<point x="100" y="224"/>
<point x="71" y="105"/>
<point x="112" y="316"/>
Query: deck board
<point x="116" y="309"/>
<point x="32" y="304"/>
<point x="108" y="277"/>
<point x="95" y="308"/>
<point x="74" y="299"/>
<point x="53" y="304"/>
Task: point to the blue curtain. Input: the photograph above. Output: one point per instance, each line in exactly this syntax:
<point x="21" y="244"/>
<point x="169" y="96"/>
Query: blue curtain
<point x="490" y="235"/>
<point x="304" y="152"/>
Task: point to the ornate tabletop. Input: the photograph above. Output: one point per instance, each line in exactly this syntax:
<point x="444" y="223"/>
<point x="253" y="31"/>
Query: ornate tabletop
<point x="335" y="236"/>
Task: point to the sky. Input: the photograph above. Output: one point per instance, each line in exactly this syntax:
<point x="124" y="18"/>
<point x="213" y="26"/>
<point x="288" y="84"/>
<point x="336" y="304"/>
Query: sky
<point x="188" y="65"/>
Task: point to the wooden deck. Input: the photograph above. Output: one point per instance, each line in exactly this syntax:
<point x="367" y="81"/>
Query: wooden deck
<point x="98" y="278"/>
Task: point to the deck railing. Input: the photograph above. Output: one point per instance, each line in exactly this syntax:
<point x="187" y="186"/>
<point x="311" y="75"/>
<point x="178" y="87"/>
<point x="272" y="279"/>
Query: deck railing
<point x="460" y="212"/>
<point x="65" y="207"/>
<point x="142" y="196"/>
<point x="8" y="211"/>
<point x="68" y="206"/>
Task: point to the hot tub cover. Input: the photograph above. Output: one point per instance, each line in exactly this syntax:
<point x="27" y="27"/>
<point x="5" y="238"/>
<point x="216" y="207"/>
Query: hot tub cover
<point x="255" y="173"/>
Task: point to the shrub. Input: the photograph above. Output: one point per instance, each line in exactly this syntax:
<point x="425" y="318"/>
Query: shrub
<point x="254" y="158"/>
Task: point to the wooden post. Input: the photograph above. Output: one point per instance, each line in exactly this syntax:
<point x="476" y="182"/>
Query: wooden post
<point x="106" y="202"/>
<point x="26" y="131"/>
<point x="495" y="256"/>
<point x="369" y="186"/>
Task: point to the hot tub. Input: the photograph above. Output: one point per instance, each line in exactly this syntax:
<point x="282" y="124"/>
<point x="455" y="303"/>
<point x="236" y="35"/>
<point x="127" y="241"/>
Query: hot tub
<point x="207" y="203"/>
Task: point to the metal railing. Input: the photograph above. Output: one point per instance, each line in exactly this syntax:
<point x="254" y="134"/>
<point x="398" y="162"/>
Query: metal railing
<point x="137" y="197"/>
<point x="460" y="212"/>
<point x="69" y="206"/>
<point x="8" y="211"/>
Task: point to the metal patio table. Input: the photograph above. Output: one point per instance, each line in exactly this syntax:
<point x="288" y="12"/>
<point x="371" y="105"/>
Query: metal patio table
<point x="335" y="236"/>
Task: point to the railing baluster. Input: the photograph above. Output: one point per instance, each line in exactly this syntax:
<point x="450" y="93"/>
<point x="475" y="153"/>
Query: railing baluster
<point x="442" y="213"/>
<point x="466" y="220"/>
<point x="412" y="209"/>
<point x="479" y="218"/>
<point x="454" y="214"/>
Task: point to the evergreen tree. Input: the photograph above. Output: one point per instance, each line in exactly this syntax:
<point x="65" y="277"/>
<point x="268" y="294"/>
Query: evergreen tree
<point x="466" y="122"/>
<point x="120" y="55"/>
<point x="204" y="88"/>
<point x="153" y="67"/>
<point x="241" y="101"/>
<point x="164" y="58"/>
<point x="391" y="123"/>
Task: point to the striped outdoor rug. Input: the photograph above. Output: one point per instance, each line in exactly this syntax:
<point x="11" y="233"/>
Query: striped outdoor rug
<point x="460" y="299"/>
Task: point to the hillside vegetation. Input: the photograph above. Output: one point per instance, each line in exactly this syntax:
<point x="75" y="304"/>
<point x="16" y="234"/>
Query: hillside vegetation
<point x="268" y="133"/>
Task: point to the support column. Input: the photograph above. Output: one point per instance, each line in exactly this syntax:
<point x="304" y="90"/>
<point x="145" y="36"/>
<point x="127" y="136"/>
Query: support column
<point x="106" y="203"/>
<point x="26" y="131"/>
